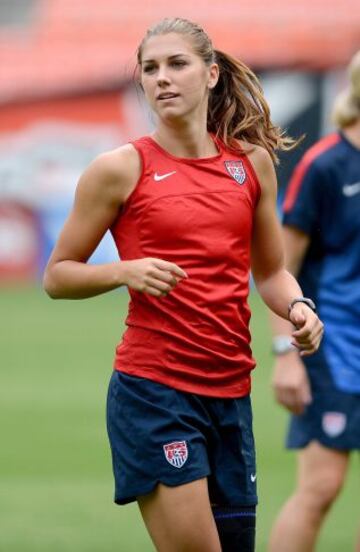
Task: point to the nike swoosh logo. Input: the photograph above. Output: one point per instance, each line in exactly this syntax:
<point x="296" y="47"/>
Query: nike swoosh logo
<point x="350" y="190"/>
<point x="158" y="177"/>
<point x="253" y="477"/>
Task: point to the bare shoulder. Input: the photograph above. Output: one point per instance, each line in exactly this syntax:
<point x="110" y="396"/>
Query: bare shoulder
<point x="113" y="174"/>
<point x="262" y="163"/>
<point x="259" y="157"/>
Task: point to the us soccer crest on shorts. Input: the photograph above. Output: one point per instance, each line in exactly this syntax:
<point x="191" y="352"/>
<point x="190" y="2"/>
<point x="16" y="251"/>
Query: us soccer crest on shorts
<point x="333" y="423"/>
<point x="236" y="170"/>
<point x="176" y="453"/>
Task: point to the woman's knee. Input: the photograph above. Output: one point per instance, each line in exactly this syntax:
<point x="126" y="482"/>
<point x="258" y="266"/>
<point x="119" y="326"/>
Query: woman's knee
<point x="322" y="487"/>
<point x="321" y="475"/>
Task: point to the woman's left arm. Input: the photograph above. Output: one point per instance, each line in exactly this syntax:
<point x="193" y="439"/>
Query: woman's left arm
<point x="277" y="287"/>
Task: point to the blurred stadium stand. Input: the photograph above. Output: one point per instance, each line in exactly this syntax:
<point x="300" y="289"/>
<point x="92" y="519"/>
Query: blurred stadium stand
<point x="67" y="93"/>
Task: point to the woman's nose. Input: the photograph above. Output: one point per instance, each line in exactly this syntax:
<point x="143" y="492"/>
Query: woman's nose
<point x="162" y="76"/>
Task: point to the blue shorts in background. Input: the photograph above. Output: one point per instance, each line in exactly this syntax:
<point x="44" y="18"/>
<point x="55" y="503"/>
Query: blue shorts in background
<point x="333" y="417"/>
<point x="159" y="434"/>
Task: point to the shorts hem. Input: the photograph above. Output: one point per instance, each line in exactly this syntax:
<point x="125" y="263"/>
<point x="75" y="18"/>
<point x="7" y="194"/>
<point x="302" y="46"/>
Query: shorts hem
<point x="323" y="442"/>
<point x="132" y="497"/>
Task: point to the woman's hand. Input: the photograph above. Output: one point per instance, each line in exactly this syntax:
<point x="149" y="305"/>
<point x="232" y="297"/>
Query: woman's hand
<point x="309" y="329"/>
<point x="153" y="276"/>
<point x="290" y="383"/>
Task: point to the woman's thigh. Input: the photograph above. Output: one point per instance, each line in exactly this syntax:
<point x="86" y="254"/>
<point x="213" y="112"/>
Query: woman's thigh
<point x="180" y="518"/>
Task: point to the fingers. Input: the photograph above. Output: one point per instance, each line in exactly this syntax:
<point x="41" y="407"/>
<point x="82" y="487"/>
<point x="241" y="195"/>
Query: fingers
<point x="154" y="291"/>
<point x="155" y="277"/>
<point x="163" y="279"/>
<point x="164" y="276"/>
<point x="170" y="267"/>
<point x="311" y="327"/>
<point x="159" y="284"/>
<point x="294" y="397"/>
<point x="305" y="396"/>
<point x="308" y="335"/>
<point x="309" y="342"/>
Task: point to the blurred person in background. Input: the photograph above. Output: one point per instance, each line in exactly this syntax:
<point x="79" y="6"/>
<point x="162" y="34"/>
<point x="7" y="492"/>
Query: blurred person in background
<point x="322" y="248"/>
<point x="186" y="206"/>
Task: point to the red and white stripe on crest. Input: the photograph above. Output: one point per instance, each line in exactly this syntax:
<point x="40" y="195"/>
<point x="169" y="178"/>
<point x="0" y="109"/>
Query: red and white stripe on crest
<point x="176" y="453"/>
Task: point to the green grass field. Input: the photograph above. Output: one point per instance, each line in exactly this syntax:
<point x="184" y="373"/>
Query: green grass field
<point x="55" y="474"/>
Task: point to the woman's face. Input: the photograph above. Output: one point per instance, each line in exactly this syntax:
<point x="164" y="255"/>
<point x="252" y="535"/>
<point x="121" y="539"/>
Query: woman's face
<point x="175" y="79"/>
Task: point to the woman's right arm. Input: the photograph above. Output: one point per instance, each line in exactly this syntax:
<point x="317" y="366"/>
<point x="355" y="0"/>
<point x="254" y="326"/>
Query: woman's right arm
<point x="290" y="381"/>
<point x="102" y="190"/>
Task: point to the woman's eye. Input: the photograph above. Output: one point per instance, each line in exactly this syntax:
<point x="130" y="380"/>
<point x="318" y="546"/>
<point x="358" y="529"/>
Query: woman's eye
<point x="149" y="68"/>
<point x="178" y="63"/>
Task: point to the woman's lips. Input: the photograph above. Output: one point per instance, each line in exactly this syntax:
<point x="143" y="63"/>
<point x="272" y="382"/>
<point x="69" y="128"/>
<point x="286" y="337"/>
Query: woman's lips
<point x="167" y="96"/>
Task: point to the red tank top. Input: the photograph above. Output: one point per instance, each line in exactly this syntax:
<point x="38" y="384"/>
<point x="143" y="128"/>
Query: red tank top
<point x="198" y="214"/>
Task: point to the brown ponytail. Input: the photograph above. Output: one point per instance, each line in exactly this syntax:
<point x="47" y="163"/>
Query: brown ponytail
<point x="238" y="110"/>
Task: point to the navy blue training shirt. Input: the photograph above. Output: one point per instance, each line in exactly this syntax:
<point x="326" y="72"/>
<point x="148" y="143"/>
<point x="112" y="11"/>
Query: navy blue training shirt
<point x="323" y="200"/>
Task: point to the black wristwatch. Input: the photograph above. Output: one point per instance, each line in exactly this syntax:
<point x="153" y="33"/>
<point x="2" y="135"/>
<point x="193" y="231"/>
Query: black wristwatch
<point x="309" y="302"/>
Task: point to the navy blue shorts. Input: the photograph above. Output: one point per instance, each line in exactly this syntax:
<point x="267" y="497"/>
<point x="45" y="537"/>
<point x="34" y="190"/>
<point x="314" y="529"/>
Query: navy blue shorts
<point x="159" y="434"/>
<point x="332" y="419"/>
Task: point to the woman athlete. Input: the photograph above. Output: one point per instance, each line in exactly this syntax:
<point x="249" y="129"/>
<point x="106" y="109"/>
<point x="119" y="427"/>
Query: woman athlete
<point x="191" y="209"/>
<point x="322" y="244"/>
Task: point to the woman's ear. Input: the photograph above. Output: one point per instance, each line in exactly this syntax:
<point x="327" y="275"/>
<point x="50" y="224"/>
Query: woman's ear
<point x="214" y="72"/>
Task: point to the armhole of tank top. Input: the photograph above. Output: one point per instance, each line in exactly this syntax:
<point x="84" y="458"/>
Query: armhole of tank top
<point x="140" y="153"/>
<point x="254" y="178"/>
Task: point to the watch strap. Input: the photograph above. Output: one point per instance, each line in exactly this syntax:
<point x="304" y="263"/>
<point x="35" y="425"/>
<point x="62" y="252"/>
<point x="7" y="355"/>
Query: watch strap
<point x="306" y="300"/>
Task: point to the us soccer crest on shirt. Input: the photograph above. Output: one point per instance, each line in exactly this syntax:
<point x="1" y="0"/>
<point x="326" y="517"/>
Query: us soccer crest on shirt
<point x="236" y="171"/>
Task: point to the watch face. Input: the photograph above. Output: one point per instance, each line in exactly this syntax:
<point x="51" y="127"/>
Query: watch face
<point x="282" y="344"/>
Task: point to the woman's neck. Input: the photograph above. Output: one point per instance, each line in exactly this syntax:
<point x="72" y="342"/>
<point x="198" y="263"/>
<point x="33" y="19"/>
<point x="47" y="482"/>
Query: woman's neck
<point x="186" y="141"/>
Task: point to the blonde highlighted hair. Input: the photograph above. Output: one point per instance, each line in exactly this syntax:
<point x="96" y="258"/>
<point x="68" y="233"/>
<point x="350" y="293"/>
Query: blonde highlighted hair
<point x="237" y="109"/>
<point x="346" y="110"/>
